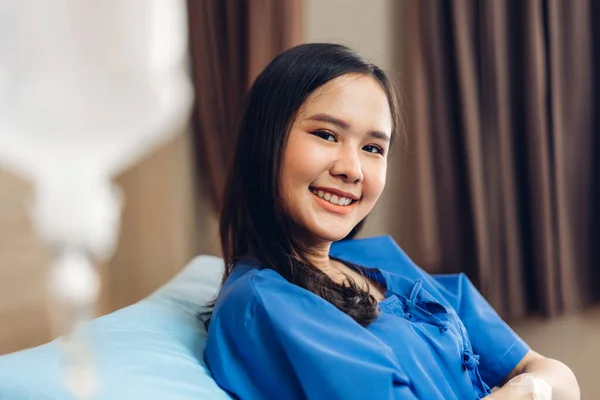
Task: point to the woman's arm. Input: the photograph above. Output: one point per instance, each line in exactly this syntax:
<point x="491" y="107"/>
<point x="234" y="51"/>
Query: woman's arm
<point x="560" y="378"/>
<point x="504" y="356"/>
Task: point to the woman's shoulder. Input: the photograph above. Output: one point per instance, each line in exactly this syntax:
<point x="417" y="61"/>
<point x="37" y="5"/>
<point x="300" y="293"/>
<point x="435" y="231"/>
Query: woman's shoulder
<point x="245" y="284"/>
<point x="385" y="255"/>
<point x="251" y="286"/>
<point x="252" y="291"/>
<point x="380" y="252"/>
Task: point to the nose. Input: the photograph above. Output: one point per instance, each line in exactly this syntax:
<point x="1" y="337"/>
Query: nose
<point x="347" y="165"/>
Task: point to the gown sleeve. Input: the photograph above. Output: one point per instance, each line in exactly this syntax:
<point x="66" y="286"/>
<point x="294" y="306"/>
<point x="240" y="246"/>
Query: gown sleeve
<point x="499" y="347"/>
<point x="269" y="339"/>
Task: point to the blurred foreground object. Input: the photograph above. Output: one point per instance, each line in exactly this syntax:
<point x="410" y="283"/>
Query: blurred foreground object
<point x="87" y="88"/>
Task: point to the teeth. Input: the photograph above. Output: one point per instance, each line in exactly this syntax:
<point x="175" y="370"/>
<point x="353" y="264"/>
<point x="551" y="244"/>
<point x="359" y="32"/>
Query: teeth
<point x="332" y="198"/>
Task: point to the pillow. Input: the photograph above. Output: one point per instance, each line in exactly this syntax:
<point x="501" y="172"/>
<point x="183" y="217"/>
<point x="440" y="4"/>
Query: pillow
<point x="150" y="350"/>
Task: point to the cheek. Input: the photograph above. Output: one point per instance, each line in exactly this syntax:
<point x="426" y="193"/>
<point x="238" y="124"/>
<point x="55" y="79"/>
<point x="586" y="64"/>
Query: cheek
<point x="303" y="162"/>
<point x="295" y="171"/>
<point x="375" y="182"/>
<point x="285" y="188"/>
<point x="290" y="171"/>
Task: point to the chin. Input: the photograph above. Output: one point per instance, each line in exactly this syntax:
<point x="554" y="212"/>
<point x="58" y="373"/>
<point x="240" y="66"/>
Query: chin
<point x="332" y="236"/>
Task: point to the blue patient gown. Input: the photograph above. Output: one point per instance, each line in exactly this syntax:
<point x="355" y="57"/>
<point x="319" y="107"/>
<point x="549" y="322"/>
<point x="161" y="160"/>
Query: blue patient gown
<point x="435" y="338"/>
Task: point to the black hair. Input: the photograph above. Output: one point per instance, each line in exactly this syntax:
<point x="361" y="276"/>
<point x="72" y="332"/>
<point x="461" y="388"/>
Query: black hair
<point x="253" y="222"/>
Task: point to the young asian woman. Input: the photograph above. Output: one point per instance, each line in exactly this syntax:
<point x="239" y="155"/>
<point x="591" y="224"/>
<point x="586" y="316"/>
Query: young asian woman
<point x="308" y="312"/>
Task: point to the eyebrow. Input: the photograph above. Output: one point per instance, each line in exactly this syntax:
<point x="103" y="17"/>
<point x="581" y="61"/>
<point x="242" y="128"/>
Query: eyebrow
<point x="345" y="126"/>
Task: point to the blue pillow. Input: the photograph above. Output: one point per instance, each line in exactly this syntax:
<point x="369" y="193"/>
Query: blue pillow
<point x="150" y="350"/>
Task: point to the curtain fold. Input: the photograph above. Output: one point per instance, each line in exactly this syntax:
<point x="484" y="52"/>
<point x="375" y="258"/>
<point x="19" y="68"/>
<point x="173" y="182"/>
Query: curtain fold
<point x="502" y="134"/>
<point x="230" y="42"/>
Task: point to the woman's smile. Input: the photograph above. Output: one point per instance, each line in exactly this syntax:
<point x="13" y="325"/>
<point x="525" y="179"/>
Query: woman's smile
<point x="341" y="206"/>
<point x="334" y="201"/>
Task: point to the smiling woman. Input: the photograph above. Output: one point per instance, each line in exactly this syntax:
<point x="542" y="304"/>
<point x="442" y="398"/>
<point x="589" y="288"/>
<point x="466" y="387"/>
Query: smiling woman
<point x="331" y="150"/>
<point x="318" y="117"/>
<point x="305" y="311"/>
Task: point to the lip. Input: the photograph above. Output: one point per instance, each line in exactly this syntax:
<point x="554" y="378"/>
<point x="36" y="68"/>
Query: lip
<point x="334" y="208"/>
<point x="339" y="193"/>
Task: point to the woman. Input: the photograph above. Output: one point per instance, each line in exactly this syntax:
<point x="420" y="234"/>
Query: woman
<point x="307" y="312"/>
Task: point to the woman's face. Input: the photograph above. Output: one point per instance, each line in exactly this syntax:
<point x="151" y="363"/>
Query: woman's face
<point x="335" y="160"/>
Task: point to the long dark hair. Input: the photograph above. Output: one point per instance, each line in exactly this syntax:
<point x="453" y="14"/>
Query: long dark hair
<point x="253" y="221"/>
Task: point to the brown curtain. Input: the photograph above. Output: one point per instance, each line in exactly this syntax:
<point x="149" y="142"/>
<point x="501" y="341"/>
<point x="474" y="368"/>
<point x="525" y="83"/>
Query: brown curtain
<point x="502" y="144"/>
<point x="230" y="42"/>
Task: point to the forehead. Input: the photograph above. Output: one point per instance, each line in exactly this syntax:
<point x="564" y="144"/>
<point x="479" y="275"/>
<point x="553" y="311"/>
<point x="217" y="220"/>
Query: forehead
<point x="358" y="99"/>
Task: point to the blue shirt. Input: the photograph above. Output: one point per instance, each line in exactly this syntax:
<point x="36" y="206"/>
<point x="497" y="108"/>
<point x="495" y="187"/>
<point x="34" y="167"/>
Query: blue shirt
<point x="435" y="338"/>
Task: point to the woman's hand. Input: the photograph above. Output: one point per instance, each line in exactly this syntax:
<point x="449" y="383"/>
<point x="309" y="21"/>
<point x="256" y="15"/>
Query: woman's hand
<point x="522" y="387"/>
<point x="546" y="375"/>
<point x="508" y="393"/>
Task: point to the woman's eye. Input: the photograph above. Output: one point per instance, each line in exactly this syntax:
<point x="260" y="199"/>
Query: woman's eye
<point x="325" y="135"/>
<point x="373" y="149"/>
